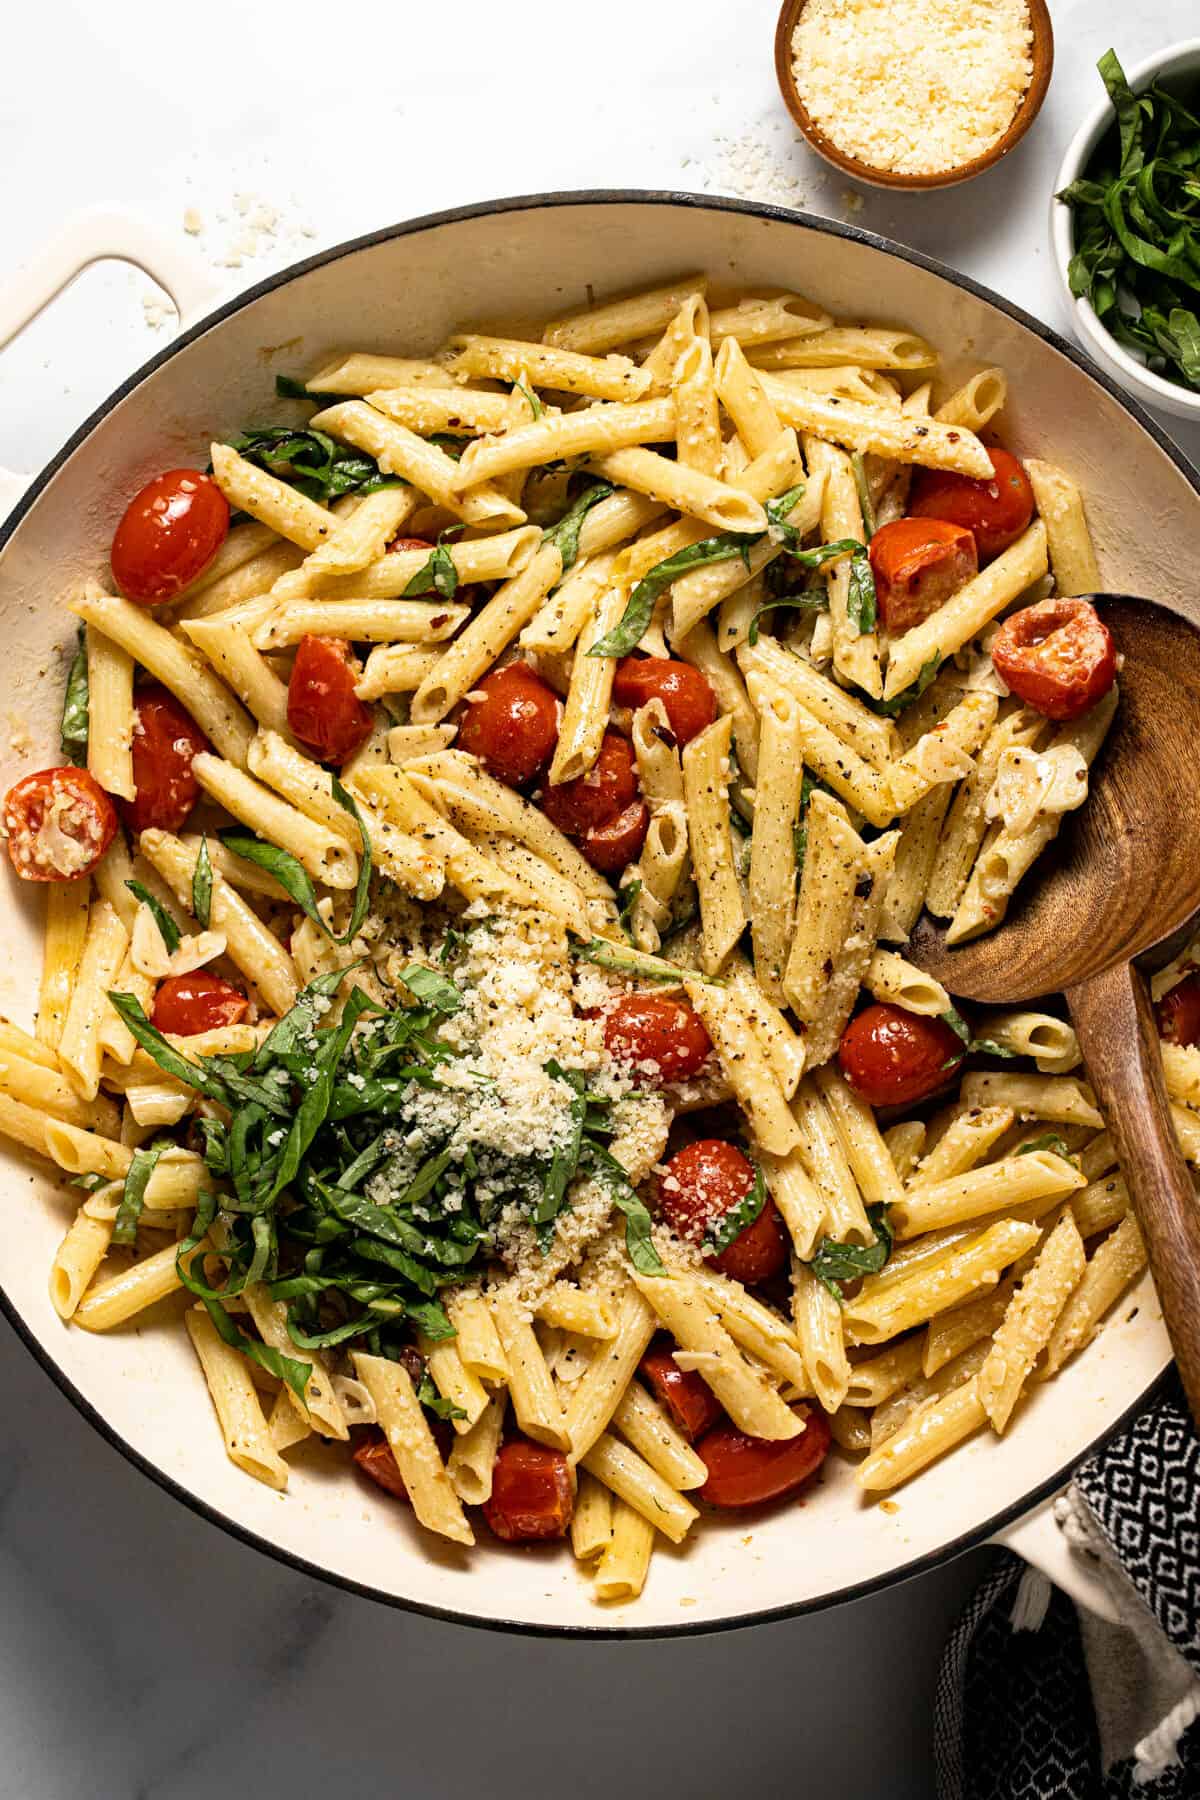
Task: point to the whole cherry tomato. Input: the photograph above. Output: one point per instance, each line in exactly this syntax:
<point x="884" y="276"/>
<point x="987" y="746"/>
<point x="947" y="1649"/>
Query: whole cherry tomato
<point x="323" y="710"/>
<point x="745" y="1471"/>
<point x="186" y="1004"/>
<point x="651" y="1029"/>
<point x="609" y="786"/>
<point x="687" y="1396"/>
<point x="59" y="823"/>
<point x="1178" y="1012"/>
<point x="169" y="533"/>
<point x="374" y="1457"/>
<point x="997" y="511"/>
<point x="613" y="845"/>
<point x="686" y="694"/>
<point x="166" y="739"/>
<point x="533" y="1495"/>
<point x="918" y="564"/>
<point x="510" y="722"/>
<point x="699" y="1185"/>
<point x="1057" y="656"/>
<point x="895" y="1058"/>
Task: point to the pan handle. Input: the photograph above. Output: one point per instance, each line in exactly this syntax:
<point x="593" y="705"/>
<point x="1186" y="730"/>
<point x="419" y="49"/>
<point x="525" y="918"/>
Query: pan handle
<point x="97" y="235"/>
<point x="1037" y="1538"/>
<point x="93" y="236"/>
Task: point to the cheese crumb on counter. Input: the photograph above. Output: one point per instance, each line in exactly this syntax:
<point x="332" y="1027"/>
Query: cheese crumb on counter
<point x="913" y="86"/>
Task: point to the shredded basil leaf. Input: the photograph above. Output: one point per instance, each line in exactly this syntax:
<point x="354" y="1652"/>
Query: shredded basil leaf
<point x="527" y="393"/>
<point x="202" y="885"/>
<point x="432" y="989"/>
<point x="133" y="1194"/>
<point x="362" y="889"/>
<point x="866" y="505"/>
<point x="291" y="875"/>
<point x="811" y="600"/>
<point x="627" y="897"/>
<point x="638" y="1241"/>
<point x="1056" y="1145"/>
<point x="168" y="929"/>
<point x="835" y="1263"/>
<point x="434" y="1402"/>
<point x="284" y="1368"/>
<point x="624" y="961"/>
<point x="890" y="709"/>
<point x="978" y="1046"/>
<point x="721" y="1231"/>
<point x="630" y="628"/>
<point x="311" y="461"/>
<point x="438" y="574"/>
<point x="777" y="511"/>
<point x="564" y="534"/>
<point x="74" y="729"/>
<point x="861" y="605"/>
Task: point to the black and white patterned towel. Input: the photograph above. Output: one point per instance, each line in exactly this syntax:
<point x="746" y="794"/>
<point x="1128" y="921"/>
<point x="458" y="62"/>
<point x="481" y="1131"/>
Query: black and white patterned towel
<point x="1040" y="1701"/>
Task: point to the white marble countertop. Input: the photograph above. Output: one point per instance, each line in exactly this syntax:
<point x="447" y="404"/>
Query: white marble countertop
<point x="143" y="1654"/>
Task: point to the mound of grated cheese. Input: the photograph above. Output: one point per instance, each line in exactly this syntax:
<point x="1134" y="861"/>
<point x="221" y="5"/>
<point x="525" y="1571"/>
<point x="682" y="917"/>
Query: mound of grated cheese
<point x="913" y="86"/>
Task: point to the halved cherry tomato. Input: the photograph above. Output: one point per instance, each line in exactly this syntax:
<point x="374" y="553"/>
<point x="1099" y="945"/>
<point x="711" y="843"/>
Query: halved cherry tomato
<point x="323" y="710"/>
<point x="996" y="511"/>
<point x="374" y="1457"/>
<point x="1057" y="656"/>
<point x="510" y="723"/>
<point x="918" y="564"/>
<point x="169" y="532"/>
<point x="406" y="543"/>
<point x="895" y="1058"/>
<point x="186" y="1004"/>
<point x="532" y="1493"/>
<point x="610" y="847"/>
<point x="165" y="741"/>
<point x="665" y="1034"/>
<point x="687" y="1396"/>
<point x="609" y="786"/>
<point x="1178" y="1012"/>
<point x="59" y="823"/>
<point x="686" y="694"/>
<point x="745" y="1471"/>
<point x="699" y="1185"/>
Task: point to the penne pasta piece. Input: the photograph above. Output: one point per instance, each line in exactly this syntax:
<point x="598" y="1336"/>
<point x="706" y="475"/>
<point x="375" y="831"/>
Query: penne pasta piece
<point x="592" y="431"/>
<point x="547" y="365"/>
<point x="819" y="1327"/>
<point x="879" y="430"/>
<point x="871" y="1165"/>
<point x="535" y="1404"/>
<point x="801" y="1206"/>
<point x="1068" y="540"/>
<point x="879" y="1377"/>
<point x="646" y="1428"/>
<point x="964" y="615"/>
<point x="592" y="1519"/>
<point x="597" y="328"/>
<point x="633" y="1480"/>
<point x="410" y="1440"/>
<point x="76" y="1261"/>
<point x="706" y="792"/>
<point x="68" y="905"/>
<point x="321" y="1406"/>
<point x="1111" y="1268"/>
<point x="1039" y="1175"/>
<point x="891" y="977"/>
<point x="943" y="754"/>
<point x="473" y="1453"/>
<point x="489" y="632"/>
<point x="964" y="1143"/>
<point x="867" y="347"/>
<point x="927" y="1433"/>
<point x="110" y="714"/>
<point x="608" y="1374"/>
<point x="749" y="1399"/>
<point x="772" y="881"/>
<point x="694" y="395"/>
<point x="687" y="490"/>
<point x="589" y="696"/>
<point x="324" y="853"/>
<point x="873" y="1318"/>
<point x="401" y="452"/>
<point x="1050" y="1041"/>
<point x="1060" y="1098"/>
<point x="274" y="502"/>
<point x="976" y="403"/>
<point x="358" y="373"/>
<point x="80" y="1048"/>
<point x="235" y="1400"/>
<point x="855" y="641"/>
<point x="625" y="1558"/>
<point x="1029" y="1321"/>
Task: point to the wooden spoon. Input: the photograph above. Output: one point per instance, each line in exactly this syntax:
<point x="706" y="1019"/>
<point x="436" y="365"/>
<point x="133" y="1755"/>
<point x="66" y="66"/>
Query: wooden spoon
<point x="1122" y="881"/>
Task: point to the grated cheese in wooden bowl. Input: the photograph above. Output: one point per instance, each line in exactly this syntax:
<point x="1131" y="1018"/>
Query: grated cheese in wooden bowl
<point x="915" y="87"/>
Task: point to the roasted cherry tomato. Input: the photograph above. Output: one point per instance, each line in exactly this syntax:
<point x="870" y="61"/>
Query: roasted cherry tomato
<point x="1057" y="656"/>
<point x="532" y="1493"/>
<point x="374" y="1457"/>
<point x="323" y="710"/>
<point x="687" y="1396"/>
<point x="610" y="847"/>
<point x="609" y="786"/>
<point x="186" y="1004"/>
<point x="660" y="1037"/>
<point x="58" y="823"/>
<point x="996" y="511"/>
<point x="918" y="564"/>
<point x="700" y="1184"/>
<point x="686" y="694"/>
<point x="510" y="722"/>
<point x="407" y="543"/>
<point x="745" y="1471"/>
<point x="166" y="739"/>
<point x="169" y="533"/>
<point x="895" y="1058"/>
<point x="1178" y="1012"/>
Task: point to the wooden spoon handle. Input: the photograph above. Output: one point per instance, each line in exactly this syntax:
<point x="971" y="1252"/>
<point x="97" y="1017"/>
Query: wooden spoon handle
<point x="1119" y="1042"/>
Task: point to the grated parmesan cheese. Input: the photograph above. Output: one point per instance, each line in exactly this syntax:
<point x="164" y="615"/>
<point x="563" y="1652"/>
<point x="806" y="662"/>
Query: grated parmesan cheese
<point x="914" y="86"/>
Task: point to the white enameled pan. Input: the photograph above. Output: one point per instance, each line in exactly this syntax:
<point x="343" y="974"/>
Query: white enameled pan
<point x="406" y="287"/>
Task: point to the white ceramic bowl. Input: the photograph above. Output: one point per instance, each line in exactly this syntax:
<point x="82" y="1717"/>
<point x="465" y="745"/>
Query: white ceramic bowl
<point x="1179" y="62"/>
<point x="409" y="285"/>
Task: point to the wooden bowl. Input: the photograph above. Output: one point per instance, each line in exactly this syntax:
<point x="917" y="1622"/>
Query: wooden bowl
<point x="1042" y="53"/>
